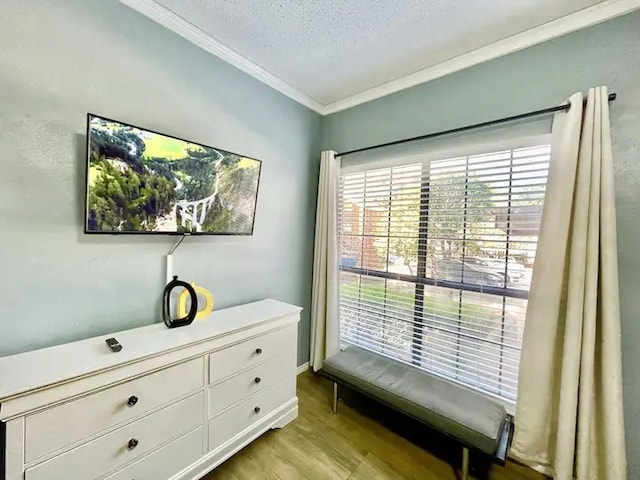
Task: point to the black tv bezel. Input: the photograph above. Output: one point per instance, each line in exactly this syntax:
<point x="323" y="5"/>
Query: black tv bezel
<point x="104" y="232"/>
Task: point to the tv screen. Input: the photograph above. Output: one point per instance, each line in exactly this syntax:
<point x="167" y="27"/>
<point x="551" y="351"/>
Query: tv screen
<point x="140" y="181"/>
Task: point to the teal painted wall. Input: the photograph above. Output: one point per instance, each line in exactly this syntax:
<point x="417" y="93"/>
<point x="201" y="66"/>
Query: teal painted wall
<point x="62" y="59"/>
<point x="607" y="54"/>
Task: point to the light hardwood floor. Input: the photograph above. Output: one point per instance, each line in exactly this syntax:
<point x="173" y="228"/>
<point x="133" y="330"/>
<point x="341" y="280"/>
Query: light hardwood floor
<point x="347" y="446"/>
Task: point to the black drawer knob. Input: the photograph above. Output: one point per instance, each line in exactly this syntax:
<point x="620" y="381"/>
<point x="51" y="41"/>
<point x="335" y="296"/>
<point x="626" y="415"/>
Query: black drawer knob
<point x="257" y="379"/>
<point x="257" y="409"/>
<point x="133" y="443"/>
<point x="258" y="351"/>
<point x="132" y="400"/>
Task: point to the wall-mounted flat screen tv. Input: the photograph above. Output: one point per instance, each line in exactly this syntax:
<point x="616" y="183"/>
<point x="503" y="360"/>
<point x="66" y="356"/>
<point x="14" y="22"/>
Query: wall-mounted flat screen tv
<point x="140" y="181"/>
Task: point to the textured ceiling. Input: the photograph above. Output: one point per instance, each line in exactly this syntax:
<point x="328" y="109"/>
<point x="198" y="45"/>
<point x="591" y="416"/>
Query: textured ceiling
<point x="332" y="49"/>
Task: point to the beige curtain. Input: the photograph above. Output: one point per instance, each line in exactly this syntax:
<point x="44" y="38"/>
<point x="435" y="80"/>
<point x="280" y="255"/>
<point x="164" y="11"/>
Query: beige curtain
<point x="325" y="331"/>
<point x="569" y="419"/>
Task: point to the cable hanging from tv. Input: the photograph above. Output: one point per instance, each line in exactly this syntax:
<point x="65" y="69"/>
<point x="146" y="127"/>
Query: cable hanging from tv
<point x="175" y="247"/>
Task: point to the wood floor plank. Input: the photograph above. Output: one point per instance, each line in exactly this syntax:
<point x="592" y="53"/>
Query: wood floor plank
<point x="374" y="468"/>
<point x="348" y="446"/>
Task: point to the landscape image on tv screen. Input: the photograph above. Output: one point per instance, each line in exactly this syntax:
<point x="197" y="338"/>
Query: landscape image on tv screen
<point x="140" y="181"/>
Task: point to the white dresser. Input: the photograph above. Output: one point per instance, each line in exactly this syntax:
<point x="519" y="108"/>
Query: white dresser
<point x="172" y="404"/>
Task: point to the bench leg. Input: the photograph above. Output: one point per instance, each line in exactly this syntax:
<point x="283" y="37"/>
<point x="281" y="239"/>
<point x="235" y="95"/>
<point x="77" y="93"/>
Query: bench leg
<point x="335" y="398"/>
<point x="465" y="464"/>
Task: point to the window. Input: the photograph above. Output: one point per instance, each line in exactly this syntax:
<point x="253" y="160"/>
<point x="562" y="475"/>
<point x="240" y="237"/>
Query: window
<point x="436" y="260"/>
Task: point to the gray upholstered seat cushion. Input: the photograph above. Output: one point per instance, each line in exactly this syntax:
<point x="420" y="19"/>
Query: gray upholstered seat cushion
<point x="466" y="415"/>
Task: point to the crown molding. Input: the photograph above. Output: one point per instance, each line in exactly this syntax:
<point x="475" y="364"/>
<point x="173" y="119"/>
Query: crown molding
<point x="582" y="19"/>
<point x="179" y="25"/>
<point x="598" y="13"/>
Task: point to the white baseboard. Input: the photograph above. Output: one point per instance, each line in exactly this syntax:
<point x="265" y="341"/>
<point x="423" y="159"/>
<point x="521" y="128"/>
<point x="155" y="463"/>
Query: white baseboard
<point x="303" y="368"/>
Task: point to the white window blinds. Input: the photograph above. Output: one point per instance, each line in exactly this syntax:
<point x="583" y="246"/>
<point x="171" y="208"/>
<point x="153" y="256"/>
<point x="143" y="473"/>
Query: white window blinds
<point x="436" y="260"/>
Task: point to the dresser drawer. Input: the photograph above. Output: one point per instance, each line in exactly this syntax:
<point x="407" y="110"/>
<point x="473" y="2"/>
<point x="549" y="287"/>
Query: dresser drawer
<point x="107" y="453"/>
<point x="240" y="386"/>
<point x="238" y="357"/>
<point x="166" y="461"/>
<point x="228" y="424"/>
<point x="65" y="424"/>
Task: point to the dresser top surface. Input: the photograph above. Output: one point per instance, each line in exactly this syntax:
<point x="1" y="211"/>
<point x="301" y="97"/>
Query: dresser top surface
<point x="39" y="368"/>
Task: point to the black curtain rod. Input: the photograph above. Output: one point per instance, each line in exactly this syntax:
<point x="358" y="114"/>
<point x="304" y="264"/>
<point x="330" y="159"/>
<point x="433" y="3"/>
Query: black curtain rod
<point x="535" y="113"/>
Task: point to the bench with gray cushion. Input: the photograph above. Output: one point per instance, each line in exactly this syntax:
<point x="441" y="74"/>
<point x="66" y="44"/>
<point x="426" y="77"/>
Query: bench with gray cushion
<point x="477" y="422"/>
